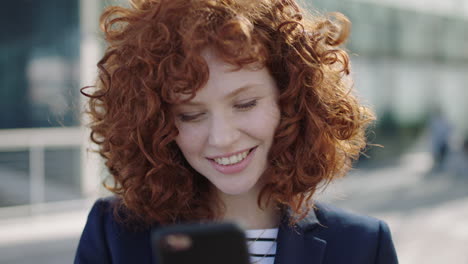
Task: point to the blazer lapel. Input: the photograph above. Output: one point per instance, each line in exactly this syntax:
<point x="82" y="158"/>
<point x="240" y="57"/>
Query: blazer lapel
<point x="298" y="244"/>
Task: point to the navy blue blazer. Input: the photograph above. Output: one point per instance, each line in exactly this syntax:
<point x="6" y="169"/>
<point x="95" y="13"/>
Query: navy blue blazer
<point x="328" y="235"/>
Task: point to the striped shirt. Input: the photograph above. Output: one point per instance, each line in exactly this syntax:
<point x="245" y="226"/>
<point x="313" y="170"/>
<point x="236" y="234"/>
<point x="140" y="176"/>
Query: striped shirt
<point x="262" y="245"/>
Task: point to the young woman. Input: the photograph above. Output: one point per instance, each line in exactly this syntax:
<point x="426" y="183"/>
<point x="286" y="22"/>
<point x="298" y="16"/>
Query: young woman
<point x="227" y="110"/>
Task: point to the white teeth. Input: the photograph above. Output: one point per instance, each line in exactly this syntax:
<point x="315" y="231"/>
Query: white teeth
<point x="232" y="159"/>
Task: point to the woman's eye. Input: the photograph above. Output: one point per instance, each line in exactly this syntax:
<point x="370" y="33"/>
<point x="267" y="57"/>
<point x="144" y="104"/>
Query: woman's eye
<point x="189" y="118"/>
<point x="247" y="105"/>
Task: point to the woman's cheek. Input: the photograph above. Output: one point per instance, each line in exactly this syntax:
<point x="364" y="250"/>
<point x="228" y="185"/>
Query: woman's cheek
<point x="189" y="139"/>
<point x="265" y="120"/>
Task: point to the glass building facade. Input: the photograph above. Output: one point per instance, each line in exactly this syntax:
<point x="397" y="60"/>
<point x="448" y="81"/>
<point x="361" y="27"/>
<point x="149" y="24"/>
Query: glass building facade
<point x="39" y="102"/>
<point x="407" y="60"/>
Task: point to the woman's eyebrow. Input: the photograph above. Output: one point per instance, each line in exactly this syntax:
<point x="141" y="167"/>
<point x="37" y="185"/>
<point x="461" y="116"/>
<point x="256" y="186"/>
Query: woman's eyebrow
<point x="240" y="90"/>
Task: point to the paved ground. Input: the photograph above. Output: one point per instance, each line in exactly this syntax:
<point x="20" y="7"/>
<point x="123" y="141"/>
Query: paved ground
<point x="427" y="213"/>
<point x="43" y="239"/>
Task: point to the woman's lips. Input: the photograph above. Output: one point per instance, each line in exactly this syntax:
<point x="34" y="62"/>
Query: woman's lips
<point x="234" y="168"/>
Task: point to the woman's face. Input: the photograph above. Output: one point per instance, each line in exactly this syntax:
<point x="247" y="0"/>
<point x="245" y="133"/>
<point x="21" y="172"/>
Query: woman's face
<point x="227" y="129"/>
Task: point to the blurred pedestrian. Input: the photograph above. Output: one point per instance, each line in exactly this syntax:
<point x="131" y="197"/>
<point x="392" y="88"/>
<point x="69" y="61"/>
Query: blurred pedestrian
<point x="228" y="110"/>
<point x="464" y="172"/>
<point x="465" y="146"/>
<point x="441" y="130"/>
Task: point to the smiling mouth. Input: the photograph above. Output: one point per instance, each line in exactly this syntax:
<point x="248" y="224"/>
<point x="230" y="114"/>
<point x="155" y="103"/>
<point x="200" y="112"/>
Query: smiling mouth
<point x="234" y="159"/>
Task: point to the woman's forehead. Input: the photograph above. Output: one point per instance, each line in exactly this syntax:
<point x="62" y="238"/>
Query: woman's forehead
<point x="222" y="73"/>
<point x="226" y="81"/>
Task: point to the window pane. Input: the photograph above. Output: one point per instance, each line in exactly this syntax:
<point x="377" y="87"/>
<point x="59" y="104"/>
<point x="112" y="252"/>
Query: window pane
<point x="14" y="176"/>
<point x="62" y="174"/>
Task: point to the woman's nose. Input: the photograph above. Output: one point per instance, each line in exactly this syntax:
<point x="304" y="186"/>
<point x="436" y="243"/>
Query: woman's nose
<point x="223" y="132"/>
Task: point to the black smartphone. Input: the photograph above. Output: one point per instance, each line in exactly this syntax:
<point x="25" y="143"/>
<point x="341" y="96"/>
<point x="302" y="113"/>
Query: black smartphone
<point x="211" y="243"/>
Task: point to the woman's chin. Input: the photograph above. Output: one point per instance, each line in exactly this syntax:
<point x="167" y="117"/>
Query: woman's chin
<point x="234" y="190"/>
<point x="237" y="189"/>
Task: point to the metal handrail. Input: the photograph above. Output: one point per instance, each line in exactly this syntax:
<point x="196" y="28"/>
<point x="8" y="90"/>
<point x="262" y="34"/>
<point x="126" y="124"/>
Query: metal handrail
<point x="21" y="139"/>
<point x="36" y="140"/>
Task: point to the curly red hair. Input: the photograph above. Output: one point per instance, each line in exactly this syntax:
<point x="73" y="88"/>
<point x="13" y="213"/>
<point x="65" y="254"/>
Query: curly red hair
<point x="153" y="55"/>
